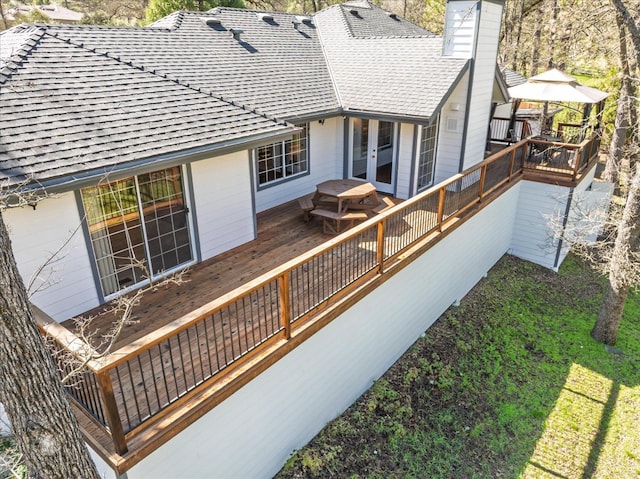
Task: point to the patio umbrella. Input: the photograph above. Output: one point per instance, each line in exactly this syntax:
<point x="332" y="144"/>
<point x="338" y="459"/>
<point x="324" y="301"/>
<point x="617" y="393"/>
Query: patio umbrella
<point x="556" y="86"/>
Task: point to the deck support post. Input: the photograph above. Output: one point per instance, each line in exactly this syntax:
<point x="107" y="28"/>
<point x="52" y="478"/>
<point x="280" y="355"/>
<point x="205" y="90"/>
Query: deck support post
<point x="380" y="248"/>
<point x="441" y="196"/>
<point x="285" y="310"/>
<point x="512" y="161"/>
<point x="111" y="411"/>
<point x="483" y="175"/>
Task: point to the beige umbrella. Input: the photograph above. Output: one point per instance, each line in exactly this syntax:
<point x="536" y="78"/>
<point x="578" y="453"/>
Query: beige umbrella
<point x="556" y="86"/>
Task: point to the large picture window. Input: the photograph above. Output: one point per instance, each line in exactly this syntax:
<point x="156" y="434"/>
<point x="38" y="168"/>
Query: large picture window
<point x="138" y="227"/>
<point x="283" y="159"/>
<point x="427" y="155"/>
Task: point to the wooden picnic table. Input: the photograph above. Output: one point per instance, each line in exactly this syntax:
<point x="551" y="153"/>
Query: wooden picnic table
<point x="338" y="201"/>
<point x="346" y="194"/>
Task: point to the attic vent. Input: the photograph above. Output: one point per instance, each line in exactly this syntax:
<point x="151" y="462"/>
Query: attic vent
<point x="210" y="21"/>
<point x="296" y="24"/>
<point x="303" y="19"/>
<point x="235" y="33"/>
<point x="265" y="17"/>
<point x="393" y="15"/>
<point x="355" y="13"/>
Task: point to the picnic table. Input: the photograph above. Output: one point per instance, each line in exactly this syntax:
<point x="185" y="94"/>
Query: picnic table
<point x="340" y="201"/>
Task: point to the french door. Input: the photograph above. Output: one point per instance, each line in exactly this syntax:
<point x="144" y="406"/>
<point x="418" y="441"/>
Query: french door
<point x="373" y="152"/>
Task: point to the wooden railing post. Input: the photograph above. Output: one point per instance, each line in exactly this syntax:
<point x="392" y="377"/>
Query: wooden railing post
<point x="285" y="309"/>
<point x="512" y="161"/>
<point x="111" y="411"/>
<point x="578" y="161"/>
<point x="443" y="192"/>
<point x="380" y="249"/>
<point x="483" y="174"/>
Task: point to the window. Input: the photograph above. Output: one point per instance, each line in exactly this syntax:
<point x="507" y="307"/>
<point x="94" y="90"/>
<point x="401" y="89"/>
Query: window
<point x="138" y="228"/>
<point x="427" y="155"/>
<point x="283" y="159"/>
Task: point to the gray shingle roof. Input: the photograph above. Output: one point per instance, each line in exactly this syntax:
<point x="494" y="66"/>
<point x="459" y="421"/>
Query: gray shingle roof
<point x="94" y="112"/>
<point x="511" y="77"/>
<point x="80" y="99"/>
<point x="396" y="74"/>
<point x="364" y="20"/>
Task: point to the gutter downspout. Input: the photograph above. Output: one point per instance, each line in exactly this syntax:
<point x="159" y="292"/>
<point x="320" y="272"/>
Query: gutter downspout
<point x="565" y="220"/>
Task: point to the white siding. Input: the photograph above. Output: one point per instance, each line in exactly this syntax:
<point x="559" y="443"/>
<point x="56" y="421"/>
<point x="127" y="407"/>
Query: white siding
<point x="588" y="212"/>
<point x="449" y="138"/>
<point x="223" y="202"/>
<point x="66" y="286"/>
<point x="326" y="163"/>
<point x="405" y="160"/>
<point x="252" y="433"/>
<point x="484" y="70"/>
<point x="459" y="29"/>
<point x="104" y="470"/>
<point x="534" y="238"/>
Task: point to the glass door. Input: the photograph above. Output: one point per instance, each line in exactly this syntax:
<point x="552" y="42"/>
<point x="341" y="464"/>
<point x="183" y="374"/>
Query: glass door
<point x="139" y="228"/>
<point x="373" y="152"/>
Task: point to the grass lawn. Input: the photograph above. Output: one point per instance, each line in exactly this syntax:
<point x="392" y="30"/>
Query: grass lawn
<point x="509" y="384"/>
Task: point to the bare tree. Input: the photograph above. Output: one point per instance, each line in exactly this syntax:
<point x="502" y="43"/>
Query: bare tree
<point x="625" y="256"/>
<point x="44" y="426"/>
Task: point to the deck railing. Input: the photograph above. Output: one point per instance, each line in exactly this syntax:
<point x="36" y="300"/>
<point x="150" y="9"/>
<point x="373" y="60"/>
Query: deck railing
<point x="565" y="159"/>
<point x="144" y="379"/>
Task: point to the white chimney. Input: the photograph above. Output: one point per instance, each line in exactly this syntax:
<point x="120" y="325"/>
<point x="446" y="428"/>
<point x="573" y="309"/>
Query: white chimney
<point x="460" y="28"/>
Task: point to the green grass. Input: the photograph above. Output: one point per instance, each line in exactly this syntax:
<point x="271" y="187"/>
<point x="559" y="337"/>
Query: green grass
<point x="10" y="461"/>
<point x="509" y="384"/>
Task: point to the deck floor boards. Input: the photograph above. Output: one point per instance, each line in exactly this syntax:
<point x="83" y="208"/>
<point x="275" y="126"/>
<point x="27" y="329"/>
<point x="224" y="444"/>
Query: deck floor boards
<point x="282" y="235"/>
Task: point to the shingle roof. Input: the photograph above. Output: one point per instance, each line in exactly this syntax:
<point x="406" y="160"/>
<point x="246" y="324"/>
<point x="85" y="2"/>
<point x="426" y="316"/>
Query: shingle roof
<point x="401" y="73"/>
<point x="364" y="20"/>
<point x="511" y="77"/>
<point x="81" y="98"/>
<point x="274" y="67"/>
<point x="93" y="111"/>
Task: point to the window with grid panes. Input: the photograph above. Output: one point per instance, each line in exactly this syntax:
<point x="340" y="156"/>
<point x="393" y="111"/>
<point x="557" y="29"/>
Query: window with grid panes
<point x="139" y="228"/>
<point x="427" y="155"/>
<point x="283" y="159"/>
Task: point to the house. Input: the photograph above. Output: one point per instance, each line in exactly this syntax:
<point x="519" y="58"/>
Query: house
<point x="162" y="145"/>
<point x="55" y="13"/>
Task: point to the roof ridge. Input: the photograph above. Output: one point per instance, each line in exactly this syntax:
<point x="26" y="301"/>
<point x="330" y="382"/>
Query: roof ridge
<point x="177" y="81"/>
<point x="176" y="21"/>
<point x="32" y="36"/>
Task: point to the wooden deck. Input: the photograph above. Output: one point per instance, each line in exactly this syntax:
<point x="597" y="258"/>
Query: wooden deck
<point x="282" y="235"/>
<point x="201" y="344"/>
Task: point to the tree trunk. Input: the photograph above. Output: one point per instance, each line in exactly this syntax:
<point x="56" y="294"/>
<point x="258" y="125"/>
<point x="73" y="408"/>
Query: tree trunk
<point x="621" y="123"/>
<point x="44" y="426"/>
<point x="621" y="267"/>
<point x="535" y="44"/>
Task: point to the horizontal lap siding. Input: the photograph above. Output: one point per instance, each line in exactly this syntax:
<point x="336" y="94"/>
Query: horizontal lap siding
<point x="283" y="408"/>
<point x="326" y="163"/>
<point x="484" y="73"/>
<point x="583" y="202"/>
<point x="405" y="160"/>
<point x="223" y="201"/>
<point x="450" y="142"/>
<point x="67" y="285"/>
<point x="533" y="235"/>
